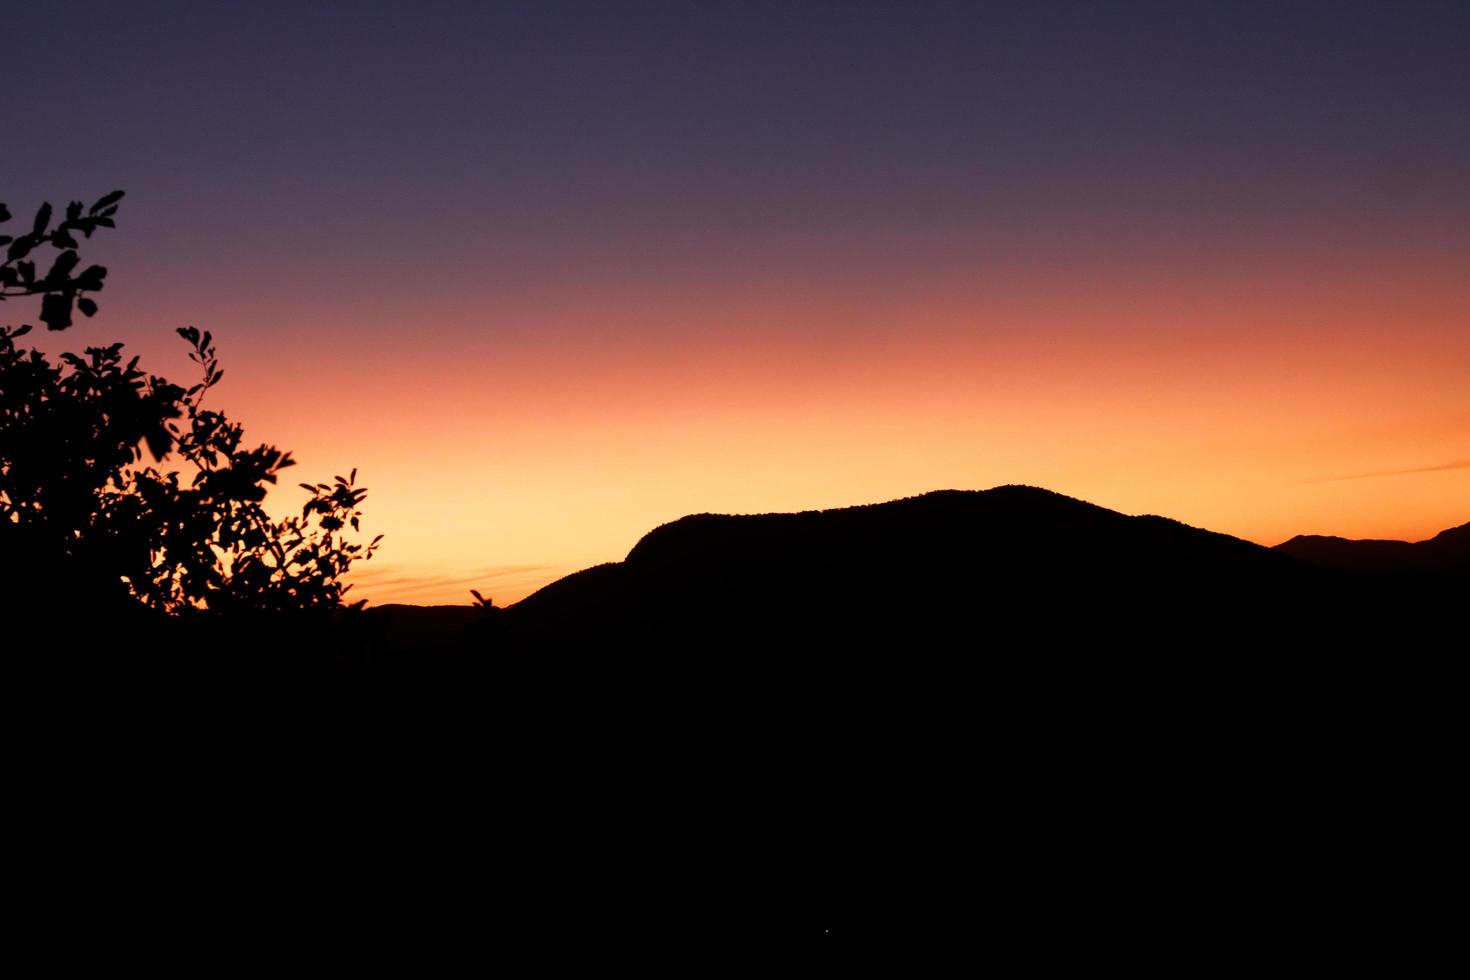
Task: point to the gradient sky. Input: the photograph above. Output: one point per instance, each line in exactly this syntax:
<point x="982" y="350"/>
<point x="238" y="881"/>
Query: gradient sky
<point x="550" y="274"/>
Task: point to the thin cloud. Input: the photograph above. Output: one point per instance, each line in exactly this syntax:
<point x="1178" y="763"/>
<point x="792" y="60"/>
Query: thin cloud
<point x="392" y="575"/>
<point x="1457" y="465"/>
<point x="395" y="584"/>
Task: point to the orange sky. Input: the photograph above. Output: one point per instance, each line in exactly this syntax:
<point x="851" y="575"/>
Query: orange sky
<point x="549" y="275"/>
<point x="1263" y="388"/>
<point x="1252" y="396"/>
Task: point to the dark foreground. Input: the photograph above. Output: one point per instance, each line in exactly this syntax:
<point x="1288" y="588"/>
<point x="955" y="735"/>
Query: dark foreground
<point x="1007" y="717"/>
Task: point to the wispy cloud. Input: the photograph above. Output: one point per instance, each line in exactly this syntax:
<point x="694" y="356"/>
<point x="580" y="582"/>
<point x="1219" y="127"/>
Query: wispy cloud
<point x="388" y="583"/>
<point x="1457" y="465"/>
<point x="391" y="575"/>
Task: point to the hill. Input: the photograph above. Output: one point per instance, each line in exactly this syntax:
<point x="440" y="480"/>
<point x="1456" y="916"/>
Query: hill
<point x="1011" y="564"/>
<point x="1447" y="552"/>
<point x="1009" y="675"/>
<point x="1075" y="713"/>
<point x="1015" y="598"/>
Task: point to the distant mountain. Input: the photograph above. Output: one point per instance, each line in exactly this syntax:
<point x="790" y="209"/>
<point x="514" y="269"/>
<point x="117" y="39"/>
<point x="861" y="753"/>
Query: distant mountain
<point x="1011" y="603"/>
<point x="1446" y="552"/>
<point x="870" y="561"/>
<point x="1014" y="692"/>
<point x="1015" y="564"/>
<point x="1011" y="693"/>
<point x="952" y="593"/>
<point x="1012" y="568"/>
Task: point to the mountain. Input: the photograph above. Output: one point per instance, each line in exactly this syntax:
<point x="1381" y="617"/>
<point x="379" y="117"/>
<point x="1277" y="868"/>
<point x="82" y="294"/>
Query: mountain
<point x="1012" y="565"/>
<point x="999" y="602"/>
<point x="1010" y="701"/>
<point x="912" y="622"/>
<point x="1446" y="552"/>
<point x="941" y="583"/>
<point x="1010" y="673"/>
<point x="942" y="556"/>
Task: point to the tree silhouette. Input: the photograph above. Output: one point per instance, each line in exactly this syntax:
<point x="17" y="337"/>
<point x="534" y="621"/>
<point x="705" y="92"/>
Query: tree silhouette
<point x="61" y="289"/>
<point x="81" y="510"/>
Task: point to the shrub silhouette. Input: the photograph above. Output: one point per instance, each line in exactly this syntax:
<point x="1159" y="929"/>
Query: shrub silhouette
<point x="82" y="510"/>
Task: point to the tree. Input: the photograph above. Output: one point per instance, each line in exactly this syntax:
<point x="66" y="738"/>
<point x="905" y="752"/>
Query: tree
<point x="82" y="512"/>
<point x="60" y="288"/>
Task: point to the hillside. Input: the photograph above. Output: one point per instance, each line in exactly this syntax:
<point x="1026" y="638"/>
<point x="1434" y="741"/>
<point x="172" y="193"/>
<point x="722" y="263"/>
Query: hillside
<point x="1015" y="569"/>
<point x="921" y="601"/>
<point x="939" y="558"/>
<point x="1446" y="552"/>
<point x="1012" y="677"/>
<point x="947" y="598"/>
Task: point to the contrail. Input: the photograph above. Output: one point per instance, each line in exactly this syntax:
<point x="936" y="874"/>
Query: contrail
<point x="1458" y="465"/>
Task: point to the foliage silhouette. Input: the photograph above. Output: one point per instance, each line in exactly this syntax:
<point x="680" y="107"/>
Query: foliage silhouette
<point x="79" y="506"/>
<point x="60" y="289"/>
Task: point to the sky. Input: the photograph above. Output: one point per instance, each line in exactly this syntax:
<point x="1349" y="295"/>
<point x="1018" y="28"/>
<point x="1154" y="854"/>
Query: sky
<point x="551" y="274"/>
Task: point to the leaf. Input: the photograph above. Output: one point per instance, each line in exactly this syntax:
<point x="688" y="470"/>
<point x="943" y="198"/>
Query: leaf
<point x="4" y="213"/>
<point x="107" y="201"/>
<point x="43" y="218"/>
<point x="91" y="278"/>
<point x="158" y="443"/>
<point x="89" y="308"/>
<point x="56" y="311"/>
<point x="61" y="268"/>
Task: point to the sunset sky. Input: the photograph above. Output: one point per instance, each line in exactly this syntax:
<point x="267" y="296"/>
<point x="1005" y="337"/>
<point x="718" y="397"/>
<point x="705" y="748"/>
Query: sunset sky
<point x="551" y="274"/>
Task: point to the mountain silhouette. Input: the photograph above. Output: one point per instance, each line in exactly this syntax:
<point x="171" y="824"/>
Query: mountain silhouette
<point x="828" y="714"/>
<point x="874" y="557"/>
<point x="1013" y="563"/>
<point x="1014" y="676"/>
<point x="1016" y="597"/>
<point x="1446" y="552"/>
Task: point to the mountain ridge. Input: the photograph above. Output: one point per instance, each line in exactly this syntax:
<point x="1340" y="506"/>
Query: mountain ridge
<point x="952" y="561"/>
<point x="679" y="539"/>
<point x="1447" y="552"/>
<point x="998" y="511"/>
